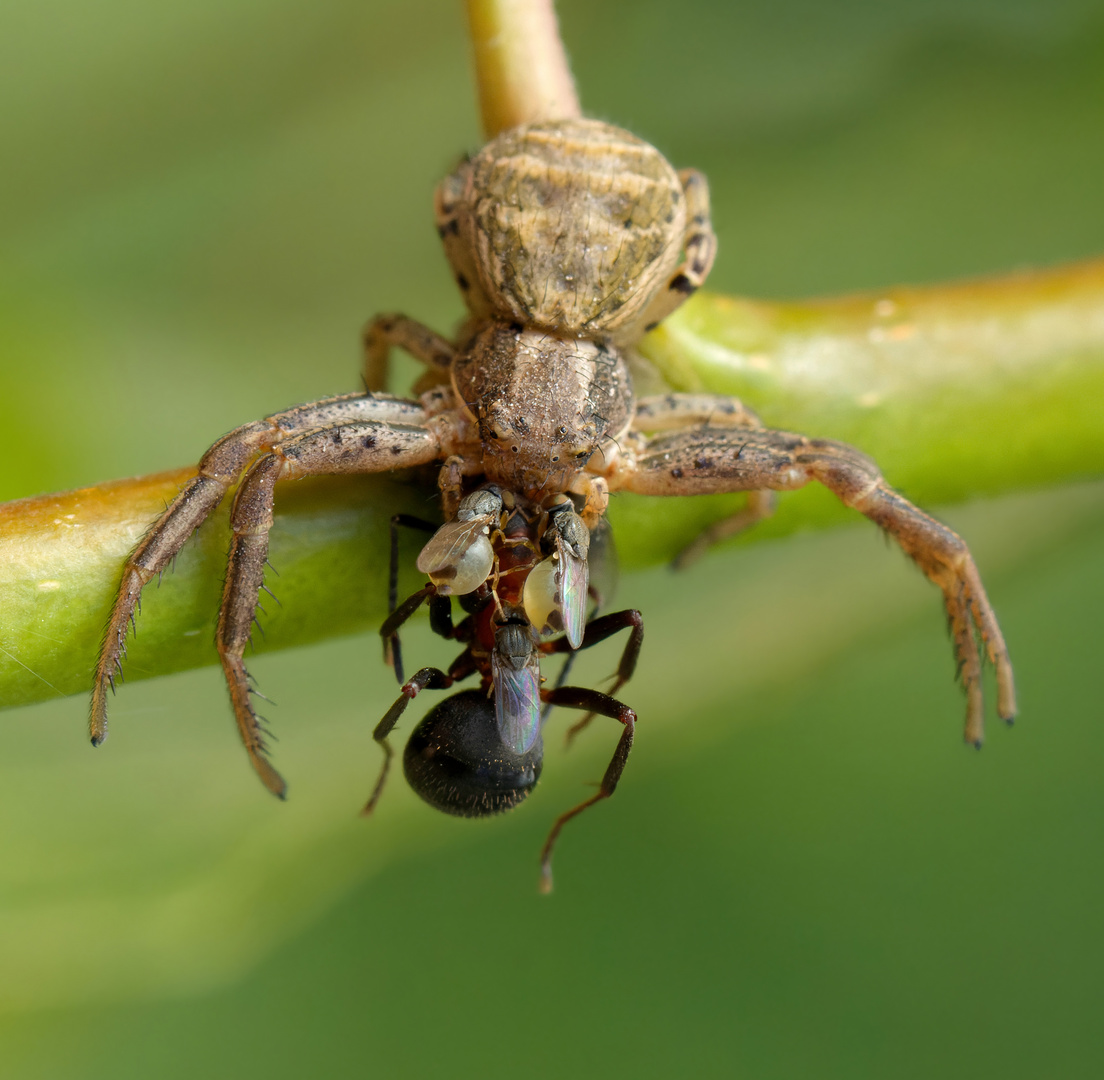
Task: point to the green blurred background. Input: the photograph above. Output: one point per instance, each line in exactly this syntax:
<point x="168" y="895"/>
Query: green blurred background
<point x="803" y="873"/>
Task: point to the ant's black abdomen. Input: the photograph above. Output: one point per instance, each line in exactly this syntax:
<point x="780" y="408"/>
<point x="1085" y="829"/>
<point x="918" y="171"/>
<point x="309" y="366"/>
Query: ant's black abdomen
<point x="456" y="760"/>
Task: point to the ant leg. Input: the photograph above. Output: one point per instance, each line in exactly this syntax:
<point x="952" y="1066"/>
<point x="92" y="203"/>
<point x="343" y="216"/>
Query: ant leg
<point x="700" y="247"/>
<point x="440" y="620"/>
<point x="597" y="631"/>
<point x="219" y="470"/>
<point x="565" y="669"/>
<point x="427" y="679"/>
<point x="596" y="702"/>
<point x="713" y="459"/>
<point x="392" y="647"/>
<point x="389" y="631"/>
<point x="347" y="448"/>
<point x="387" y="331"/>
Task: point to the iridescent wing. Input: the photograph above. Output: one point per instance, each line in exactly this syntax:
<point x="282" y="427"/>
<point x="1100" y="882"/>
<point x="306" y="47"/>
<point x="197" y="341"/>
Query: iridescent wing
<point x="572" y="544"/>
<point x="517" y="700"/>
<point x="571" y="595"/>
<point x="555" y="595"/>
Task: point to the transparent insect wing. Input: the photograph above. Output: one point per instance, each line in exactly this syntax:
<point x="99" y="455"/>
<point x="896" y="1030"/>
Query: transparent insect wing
<point x="574" y="576"/>
<point x="555" y="594"/>
<point x="516" y="680"/>
<point x="459" y="556"/>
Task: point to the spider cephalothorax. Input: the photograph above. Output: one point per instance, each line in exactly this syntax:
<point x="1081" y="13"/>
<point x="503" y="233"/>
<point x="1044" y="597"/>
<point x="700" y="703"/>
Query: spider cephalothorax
<point x="543" y="404"/>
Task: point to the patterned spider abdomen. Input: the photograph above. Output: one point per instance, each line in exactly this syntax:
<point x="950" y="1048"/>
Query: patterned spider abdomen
<point x="573" y="226"/>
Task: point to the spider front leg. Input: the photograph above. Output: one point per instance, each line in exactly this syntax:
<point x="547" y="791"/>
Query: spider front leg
<point x="348" y="448"/>
<point x="714" y="459"/>
<point x="219" y="470"/>
<point x="673" y="411"/>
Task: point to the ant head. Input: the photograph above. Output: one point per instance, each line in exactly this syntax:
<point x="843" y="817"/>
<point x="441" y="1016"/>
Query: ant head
<point x="456" y="760"/>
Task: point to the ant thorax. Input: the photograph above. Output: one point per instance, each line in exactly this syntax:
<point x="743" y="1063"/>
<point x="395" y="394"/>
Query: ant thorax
<point x="543" y="404"/>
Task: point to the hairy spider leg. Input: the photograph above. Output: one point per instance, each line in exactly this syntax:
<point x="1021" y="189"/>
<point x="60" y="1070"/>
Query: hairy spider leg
<point x="219" y="469"/>
<point x="669" y="412"/>
<point x="385" y="332"/>
<point x="428" y="678"/>
<point x="715" y="459"/>
<point x="678" y="411"/>
<point x="364" y="447"/>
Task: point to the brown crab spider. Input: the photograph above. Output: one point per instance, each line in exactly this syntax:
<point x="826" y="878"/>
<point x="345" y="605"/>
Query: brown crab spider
<point x="568" y="240"/>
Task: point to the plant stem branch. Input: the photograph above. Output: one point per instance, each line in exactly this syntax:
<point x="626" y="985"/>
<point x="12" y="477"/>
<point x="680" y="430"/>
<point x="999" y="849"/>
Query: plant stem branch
<point x="979" y="387"/>
<point x="520" y="64"/>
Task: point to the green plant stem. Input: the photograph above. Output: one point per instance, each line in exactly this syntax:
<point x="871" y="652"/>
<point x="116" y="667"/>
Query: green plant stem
<point x="957" y="390"/>
<point x="975" y="388"/>
<point x="520" y="64"/>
